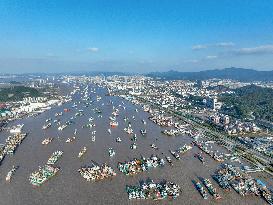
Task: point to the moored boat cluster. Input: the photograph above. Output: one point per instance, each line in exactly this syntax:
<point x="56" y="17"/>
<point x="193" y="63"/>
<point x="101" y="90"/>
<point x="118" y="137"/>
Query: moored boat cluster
<point x="202" y="146"/>
<point x="175" y="132"/>
<point x="155" y="191"/>
<point x="96" y="172"/>
<point x="230" y="176"/>
<point x="140" y="165"/>
<point x="37" y="178"/>
<point x="12" y="142"/>
<point x="161" y="120"/>
<point x="54" y="157"/>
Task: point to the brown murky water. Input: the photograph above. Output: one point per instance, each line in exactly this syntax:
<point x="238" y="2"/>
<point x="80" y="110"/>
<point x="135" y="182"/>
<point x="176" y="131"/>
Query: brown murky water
<point x="68" y="187"/>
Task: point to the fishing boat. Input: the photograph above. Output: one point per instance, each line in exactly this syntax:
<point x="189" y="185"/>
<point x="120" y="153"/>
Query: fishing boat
<point x="46" y="141"/>
<point x="118" y="139"/>
<point x="46" y="126"/>
<point x="111" y="152"/>
<point x="175" y="154"/>
<point x="82" y="152"/>
<point x="11" y="173"/>
<point x="16" y="129"/>
<point x="169" y="160"/>
<point x="222" y="181"/>
<point x="2" y="152"/>
<point x="211" y="189"/>
<point x="128" y="130"/>
<point x="112" y="118"/>
<point x="154" y="146"/>
<point x="133" y="146"/>
<point x="115" y="113"/>
<point x="62" y="127"/>
<point x="113" y="124"/>
<point x="72" y="139"/>
<point x="184" y="149"/>
<point x="109" y="131"/>
<point x="58" y="114"/>
<point x="54" y="157"/>
<point x="200" y="157"/>
<point x="93" y="138"/>
<point x="143" y="131"/>
<point x="134" y="138"/>
<point x="201" y="190"/>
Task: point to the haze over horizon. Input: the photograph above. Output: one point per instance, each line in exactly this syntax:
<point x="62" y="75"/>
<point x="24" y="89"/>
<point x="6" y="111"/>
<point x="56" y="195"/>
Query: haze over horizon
<point x="135" y="36"/>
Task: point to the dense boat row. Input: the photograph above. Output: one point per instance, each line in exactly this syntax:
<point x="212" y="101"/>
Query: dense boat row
<point x="229" y="176"/>
<point x="12" y="142"/>
<point x="140" y="165"/>
<point x="154" y="191"/>
<point x="37" y="178"/>
<point x="96" y="172"/>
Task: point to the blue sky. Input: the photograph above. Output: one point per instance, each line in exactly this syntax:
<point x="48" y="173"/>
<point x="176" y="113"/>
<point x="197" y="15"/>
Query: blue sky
<point x="135" y="35"/>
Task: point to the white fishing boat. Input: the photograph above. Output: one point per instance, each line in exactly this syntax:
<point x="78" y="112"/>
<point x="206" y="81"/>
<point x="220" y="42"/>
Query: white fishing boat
<point x="109" y="131"/>
<point x="143" y="132"/>
<point x="46" y="126"/>
<point x="72" y="139"/>
<point x="118" y="139"/>
<point x="93" y="138"/>
<point x="133" y="146"/>
<point x="81" y="153"/>
<point x="62" y="127"/>
<point x="154" y="146"/>
<point x="129" y="130"/>
<point x="46" y="141"/>
<point x="111" y="152"/>
<point x="11" y="173"/>
<point x="16" y="129"/>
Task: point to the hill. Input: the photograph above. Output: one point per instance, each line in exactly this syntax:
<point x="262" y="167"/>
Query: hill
<point x="249" y="101"/>
<point x="16" y="93"/>
<point x="240" y="74"/>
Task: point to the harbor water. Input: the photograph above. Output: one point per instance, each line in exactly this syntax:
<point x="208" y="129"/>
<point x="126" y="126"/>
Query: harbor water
<point x="69" y="188"/>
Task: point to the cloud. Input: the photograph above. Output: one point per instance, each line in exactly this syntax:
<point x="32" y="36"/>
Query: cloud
<point x="211" y="57"/>
<point x="225" y="44"/>
<point x="93" y="49"/>
<point x="199" y="47"/>
<point x="263" y="49"/>
<point x="220" y="44"/>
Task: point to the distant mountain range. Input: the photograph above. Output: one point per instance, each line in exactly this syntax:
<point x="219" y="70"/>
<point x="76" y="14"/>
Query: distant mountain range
<point x="240" y="74"/>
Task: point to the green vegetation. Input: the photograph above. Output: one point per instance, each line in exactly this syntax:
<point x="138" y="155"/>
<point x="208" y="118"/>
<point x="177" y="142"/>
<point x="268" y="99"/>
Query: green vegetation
<point x="248" y="102"/>
<point x="16" y="93"/>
